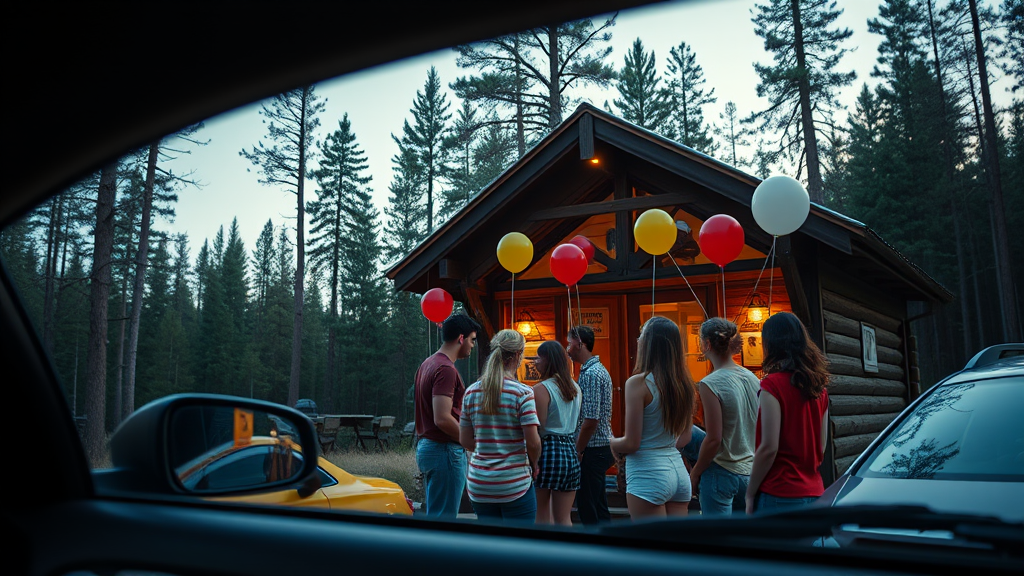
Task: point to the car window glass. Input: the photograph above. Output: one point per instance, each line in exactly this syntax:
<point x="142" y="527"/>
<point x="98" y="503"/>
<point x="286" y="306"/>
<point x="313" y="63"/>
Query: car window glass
<point x="966" y="431"/>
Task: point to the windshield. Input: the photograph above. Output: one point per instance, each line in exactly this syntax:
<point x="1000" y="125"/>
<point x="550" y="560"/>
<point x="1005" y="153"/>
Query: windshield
<point x="311" y="248"/>
<point x="957" y="433"/>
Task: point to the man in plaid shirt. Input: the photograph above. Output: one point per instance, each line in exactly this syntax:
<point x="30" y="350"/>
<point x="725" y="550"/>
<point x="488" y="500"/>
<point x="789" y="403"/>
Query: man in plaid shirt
<point x="594" y="429"/>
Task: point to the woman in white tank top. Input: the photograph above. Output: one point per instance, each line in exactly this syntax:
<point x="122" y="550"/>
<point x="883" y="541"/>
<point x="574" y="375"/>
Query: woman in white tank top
<point x="659" y="408"/>
<point x="558" y="409"/>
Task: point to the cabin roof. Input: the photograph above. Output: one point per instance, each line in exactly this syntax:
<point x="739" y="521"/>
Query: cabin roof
<point x="552" y="176"/>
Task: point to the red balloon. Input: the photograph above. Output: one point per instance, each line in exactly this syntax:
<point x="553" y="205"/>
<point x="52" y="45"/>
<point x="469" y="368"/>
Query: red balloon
<point x="721" y="239"/>
<point x="586" y="245"/>
<point x="437" y="304"/>
<point x="568" y="264"/>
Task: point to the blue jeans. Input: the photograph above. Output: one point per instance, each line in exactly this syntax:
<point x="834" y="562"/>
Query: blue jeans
<point x="722" y="492"/>
<point x="769" y="503"/>
<point x="443" y="465"/>
<point x="520" y="510"/>
<point x="692" y="450"/>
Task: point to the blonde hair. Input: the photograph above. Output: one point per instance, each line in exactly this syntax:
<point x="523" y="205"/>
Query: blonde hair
<point x="661" y="353"/>
<point x="506" y="351"/>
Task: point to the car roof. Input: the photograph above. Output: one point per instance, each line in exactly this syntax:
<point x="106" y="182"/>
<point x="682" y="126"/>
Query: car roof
<point x="103" y="79"/>
<point x="1002" y="368"/>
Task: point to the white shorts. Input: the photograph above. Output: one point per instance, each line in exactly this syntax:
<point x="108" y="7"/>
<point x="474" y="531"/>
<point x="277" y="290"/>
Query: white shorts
<point x="657" y="476"/>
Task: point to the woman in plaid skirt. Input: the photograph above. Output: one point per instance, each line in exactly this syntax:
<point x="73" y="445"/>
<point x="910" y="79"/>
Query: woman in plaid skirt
<point x="558" y="408"/>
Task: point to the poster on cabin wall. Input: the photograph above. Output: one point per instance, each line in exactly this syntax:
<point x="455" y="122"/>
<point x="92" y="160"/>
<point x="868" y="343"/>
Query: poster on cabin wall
<point x="869" y="348"/>
<point x="753" y="350"/>
<point x="528" y="372"/>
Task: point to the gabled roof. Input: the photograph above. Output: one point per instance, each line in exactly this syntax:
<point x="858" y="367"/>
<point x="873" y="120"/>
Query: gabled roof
<point x="552" y="175"/>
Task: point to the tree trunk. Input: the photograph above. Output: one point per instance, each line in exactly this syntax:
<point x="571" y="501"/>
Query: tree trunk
<point x="950" y="179"/>
<point x="520" y="124"/>
<point x="50" y="265"/>
<point x="99" y="288"/>
<point x="814" y="183"/>
<point x="1011" y="327"/>
<point x="138" y="290"/>
<point x="300" y="258"/>
<point x="554" y="95"/>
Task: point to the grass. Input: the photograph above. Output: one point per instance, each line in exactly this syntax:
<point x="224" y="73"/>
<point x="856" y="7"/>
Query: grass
<point x="397" y="465"/>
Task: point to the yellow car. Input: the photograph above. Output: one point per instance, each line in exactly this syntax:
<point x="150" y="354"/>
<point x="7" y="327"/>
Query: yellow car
<point x="254" y="463"/>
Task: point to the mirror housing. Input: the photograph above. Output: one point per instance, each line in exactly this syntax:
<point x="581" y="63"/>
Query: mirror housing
<point x="157" y="448"/>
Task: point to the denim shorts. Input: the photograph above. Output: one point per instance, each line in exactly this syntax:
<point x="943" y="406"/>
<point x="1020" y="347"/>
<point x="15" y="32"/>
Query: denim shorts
<point x="657" y="476"/>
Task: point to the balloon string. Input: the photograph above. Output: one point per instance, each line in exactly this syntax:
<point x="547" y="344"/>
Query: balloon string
<point x="654" y="271"/>
<point x="568" y="309"/>
<point x="750" y="294"/>
<point x="771" y="278"/>
<point x="513" y="300"/>
<point x="688" y="286"/>
<point x="724" y="313"/>
<point x="579" y="307"/>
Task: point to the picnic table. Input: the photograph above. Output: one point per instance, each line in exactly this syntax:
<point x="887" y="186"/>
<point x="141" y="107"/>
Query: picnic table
<point x="328" y="425"/>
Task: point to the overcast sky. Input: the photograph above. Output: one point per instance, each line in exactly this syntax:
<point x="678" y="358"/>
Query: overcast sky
<point x="378" y="101"/>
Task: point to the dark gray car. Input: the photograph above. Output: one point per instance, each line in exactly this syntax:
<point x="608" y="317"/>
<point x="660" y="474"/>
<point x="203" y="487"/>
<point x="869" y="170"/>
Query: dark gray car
<point x="959" y="449"/>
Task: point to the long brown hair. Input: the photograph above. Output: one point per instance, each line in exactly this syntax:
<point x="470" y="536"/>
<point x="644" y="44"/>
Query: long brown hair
<point x="789" y="348"/>
<point x="557" y="368"/>
<point x="506" y="347"/>
<point x="660" y="352"/>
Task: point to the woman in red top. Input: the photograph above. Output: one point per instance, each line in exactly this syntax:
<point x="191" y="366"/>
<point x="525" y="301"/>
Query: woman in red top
<point x="792" y="419"/>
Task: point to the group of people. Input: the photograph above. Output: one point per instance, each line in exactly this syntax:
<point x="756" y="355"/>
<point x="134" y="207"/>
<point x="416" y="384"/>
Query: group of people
<point x="534" y="451"/>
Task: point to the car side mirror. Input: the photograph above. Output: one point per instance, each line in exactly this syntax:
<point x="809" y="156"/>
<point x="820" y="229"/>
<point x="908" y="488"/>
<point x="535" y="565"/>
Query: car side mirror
<point x="211" y="445"/>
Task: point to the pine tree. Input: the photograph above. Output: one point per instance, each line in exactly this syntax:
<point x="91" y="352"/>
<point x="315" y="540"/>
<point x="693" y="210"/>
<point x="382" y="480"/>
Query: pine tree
<point x="689" y="97"/>
<point x="529" y="76"/>
<point x="342" y="185"/>
<point x="405" y="210"/>
<point x="292" y="123"/>
<point x="640" y="100"/>
<point x="425" y="137"/>
<point x="459" y="147"/>
<point x="800" y="86"/>
<point x="568" y="54"/>
<point x="494" y="153"/>
<point x="1012" y="16"/>
<point x="734" y="133"/>
<point x="503" y="86"/>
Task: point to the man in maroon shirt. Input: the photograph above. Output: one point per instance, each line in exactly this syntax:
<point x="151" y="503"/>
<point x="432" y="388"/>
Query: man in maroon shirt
<point x="439" y="391"/>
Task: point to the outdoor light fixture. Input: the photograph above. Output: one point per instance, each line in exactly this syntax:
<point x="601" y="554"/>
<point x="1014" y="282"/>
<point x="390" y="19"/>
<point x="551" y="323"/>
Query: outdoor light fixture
<point x="527" y="326"/>
<point x="758" y="310"/>
<point x="595" y="161"/>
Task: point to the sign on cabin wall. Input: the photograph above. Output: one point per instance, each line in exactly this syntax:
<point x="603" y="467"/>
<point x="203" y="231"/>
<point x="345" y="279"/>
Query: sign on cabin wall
<point x="869" y="348"/>
<point x="596" y="318"/>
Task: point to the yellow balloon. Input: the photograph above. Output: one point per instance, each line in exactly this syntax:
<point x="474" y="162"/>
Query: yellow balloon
<point x="515" y="252"/>
<point x="655" y="231"/>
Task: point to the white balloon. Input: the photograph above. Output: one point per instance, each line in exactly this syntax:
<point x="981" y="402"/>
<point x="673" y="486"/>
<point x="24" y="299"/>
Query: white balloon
<point x="780" y="205"/>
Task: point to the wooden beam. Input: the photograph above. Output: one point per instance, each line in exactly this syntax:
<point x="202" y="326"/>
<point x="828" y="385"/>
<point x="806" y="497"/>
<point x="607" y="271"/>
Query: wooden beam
<point x="623" y="225"/>
<point x="851" y="405"/>
<point x="853" y="445"/>
<point x="862" y="386"/>
<point x="845" y="365"/>
<point x="586" y="137"/>
<point x="861" y="423"/>
<point x="839" y="324"/>
<point x="857" y="311"/>
<point x="839" y="344"/>
<point x="593" y="208"/>
<point x="476" y="306"/>
<point x="641" y="275"/>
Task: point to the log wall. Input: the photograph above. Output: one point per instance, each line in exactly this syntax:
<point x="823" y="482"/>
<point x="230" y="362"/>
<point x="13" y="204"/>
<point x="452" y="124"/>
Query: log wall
<point x="862" y="403"/>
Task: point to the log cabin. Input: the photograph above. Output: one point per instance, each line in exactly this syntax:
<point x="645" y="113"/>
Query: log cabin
<point x="593" y="176"/>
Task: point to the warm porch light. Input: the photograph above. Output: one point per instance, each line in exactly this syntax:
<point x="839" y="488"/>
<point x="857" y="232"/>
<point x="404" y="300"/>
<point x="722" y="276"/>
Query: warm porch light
<point x="595" y="161"/>
<point x="758" y="310"/>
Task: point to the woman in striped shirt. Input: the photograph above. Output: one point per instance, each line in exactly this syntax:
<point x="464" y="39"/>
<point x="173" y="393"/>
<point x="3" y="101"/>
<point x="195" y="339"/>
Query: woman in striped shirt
<point x="499" y="426"/>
